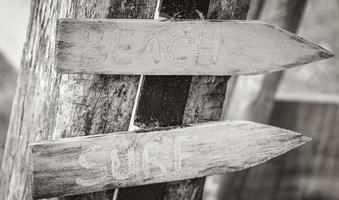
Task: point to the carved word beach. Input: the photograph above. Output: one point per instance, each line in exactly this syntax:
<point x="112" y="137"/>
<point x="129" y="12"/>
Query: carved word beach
<point x="179" y="48"/>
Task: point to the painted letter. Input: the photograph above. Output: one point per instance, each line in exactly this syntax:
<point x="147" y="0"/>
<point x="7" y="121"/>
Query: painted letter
<point x="217" y="45"/>
<point x="93" y="53"/>
<point x="152" y="148"/>
<point x="179" y="39"/>
<point x="178" y="155"/>
<point x="213" y="51"/>
<point x="116" y="164"/>
<point x="83" y="162"/>
<point x="153" y="46"/>
<point x="119" y="35"/>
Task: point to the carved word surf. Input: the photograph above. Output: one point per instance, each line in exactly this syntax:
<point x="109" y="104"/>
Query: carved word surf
<point x="127" y="46"/>
<point x="131" y="161"/>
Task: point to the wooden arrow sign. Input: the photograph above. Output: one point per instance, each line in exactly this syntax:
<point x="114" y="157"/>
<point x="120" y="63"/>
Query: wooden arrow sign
<point x="151" y="47"/>
<point x="94" y="163"/>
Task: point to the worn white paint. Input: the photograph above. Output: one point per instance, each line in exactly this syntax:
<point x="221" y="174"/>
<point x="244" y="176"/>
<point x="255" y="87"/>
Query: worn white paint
<point x="179" y="155"/>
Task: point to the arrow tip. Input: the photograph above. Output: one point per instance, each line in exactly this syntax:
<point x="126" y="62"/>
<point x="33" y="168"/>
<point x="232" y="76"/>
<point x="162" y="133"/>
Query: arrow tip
<point x="326" y="54"/>
<point x="294" y="140"/>
<point x="304" y="139"/>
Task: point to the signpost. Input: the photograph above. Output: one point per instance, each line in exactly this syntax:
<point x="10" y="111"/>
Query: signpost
<point x="49" y="105"/>
<point x="94" y="163"/>
<point x="150" y="47"/>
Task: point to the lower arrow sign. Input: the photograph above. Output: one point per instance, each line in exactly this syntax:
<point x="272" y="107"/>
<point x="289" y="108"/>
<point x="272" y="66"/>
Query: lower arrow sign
<point x="93" y="163"/>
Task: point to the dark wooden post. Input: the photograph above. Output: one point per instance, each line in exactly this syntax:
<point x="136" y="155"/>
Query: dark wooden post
<point x="49" y="106"/>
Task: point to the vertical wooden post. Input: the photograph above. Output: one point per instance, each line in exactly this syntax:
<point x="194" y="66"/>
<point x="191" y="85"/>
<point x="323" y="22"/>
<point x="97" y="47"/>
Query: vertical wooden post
<point x="49" y="106"/>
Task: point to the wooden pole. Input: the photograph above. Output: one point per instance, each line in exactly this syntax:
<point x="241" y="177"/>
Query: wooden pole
<point x="49" y="106"/>
<point x="252" y="97"/>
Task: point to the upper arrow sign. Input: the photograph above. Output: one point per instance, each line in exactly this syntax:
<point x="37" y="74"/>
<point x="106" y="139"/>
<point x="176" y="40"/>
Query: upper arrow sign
<point x="94" y="163"/>
<point x="150" y="47"/>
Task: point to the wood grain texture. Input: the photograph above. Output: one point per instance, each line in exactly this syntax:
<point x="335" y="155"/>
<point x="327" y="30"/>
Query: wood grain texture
<point x="151" y="47"/>
<point x="48" y="105"/>
<point x="94" y="163"/>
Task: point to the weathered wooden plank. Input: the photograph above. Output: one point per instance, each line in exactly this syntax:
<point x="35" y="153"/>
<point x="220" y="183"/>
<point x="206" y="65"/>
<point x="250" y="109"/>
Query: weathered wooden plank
<point x="150" y="47"/>
<point x="94" y="163"/>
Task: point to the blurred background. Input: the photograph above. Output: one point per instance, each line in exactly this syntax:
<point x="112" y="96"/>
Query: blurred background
<point x="14" y="16"/>
<point x="305" y="99"/>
